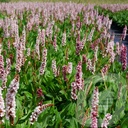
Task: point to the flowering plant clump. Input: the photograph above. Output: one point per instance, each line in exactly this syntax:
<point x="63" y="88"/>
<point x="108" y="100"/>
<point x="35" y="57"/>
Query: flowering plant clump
<point x="61" y="58"/>
<point x="117" y="12"/>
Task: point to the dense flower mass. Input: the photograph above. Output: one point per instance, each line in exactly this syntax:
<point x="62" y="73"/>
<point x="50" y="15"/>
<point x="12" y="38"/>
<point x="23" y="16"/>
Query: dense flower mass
<point x="59" y="53"/>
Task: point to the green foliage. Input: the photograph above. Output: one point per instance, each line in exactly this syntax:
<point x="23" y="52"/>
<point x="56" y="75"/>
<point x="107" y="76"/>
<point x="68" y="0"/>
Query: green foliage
<point x="120" y="17"/>
<point x="66" y="112"/>
<point x="5" y="1"/>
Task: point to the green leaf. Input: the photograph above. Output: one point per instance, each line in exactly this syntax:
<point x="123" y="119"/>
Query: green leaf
<point x="28" y="94"/>
<point x="24" y="118"/>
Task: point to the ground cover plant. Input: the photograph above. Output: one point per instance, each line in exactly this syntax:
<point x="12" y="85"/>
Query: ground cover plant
<point x="60" y="67"/>
<point x="117" y="12"/>
<point x="97" y="2"/>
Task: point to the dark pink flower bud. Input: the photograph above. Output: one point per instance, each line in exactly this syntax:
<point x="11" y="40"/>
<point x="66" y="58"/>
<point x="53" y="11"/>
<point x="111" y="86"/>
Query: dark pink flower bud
<point x="2" y="70"/>
<point x="123" y="56"/>
<point x="39" y="92"/>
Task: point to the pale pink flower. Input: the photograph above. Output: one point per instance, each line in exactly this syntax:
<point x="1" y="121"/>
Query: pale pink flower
<point x="38" y="110"/>
<point x="69" y="67"/>
<point x="110" y="51"/>
<point x="91" y="34"/>
<point x="73" y="91"/>
<point x="2" y="106"/>
<point x="23" y="39"/>
<point x="44" y="60"/>
<point x="10" y="99"/>
<point x="106" y="120"/>
<point x="95" y="53"/>
<point x="104" y="70"/>
<point x="19" y="57"/>
<point x="94" y="110"/>
<point x="64" y="39"/>
<point x="55" y="43"/>
<point x="123" y="56"/>
<point x="37" y="49"/>
<point x="79" y="44"/>
<point x="112" y="56"/>
<point x="54" y="68"/>
<point x="2" y="70"/>
<point x="89" y="65"/>
<point x="78" y="77"/>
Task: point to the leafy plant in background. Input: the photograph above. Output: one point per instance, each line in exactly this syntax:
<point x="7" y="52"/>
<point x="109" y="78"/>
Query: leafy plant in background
<point x="119" y="17"/>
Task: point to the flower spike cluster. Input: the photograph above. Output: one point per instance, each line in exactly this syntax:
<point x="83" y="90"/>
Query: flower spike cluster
<point x="10" y="99"/>
<point x="106" y="120"/>
<point x="54" y="68"/>
<point x="2" y="107"/>
<point x="79" y="82"/>
<point x="38" y="110"/>
<point x="94" y="110"/>
<point x="44" y="60"/>
<point x="123" y="57"/>
<point x="2" y="70"/>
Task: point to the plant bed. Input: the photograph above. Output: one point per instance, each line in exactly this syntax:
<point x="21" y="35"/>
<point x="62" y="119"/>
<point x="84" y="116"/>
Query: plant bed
<point x="120" y="16"/>
<point x="60" y="67"/>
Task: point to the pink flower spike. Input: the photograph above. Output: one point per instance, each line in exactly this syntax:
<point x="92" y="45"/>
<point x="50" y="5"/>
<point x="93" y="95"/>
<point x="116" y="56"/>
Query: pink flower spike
<point x="78" y="77"/>
<point x="2" y="106"/>
<point x="10" y="99"/>
<point x="123" y="57"/>
<point x="73" y="91"/>
<point x="38" y="110"/>
<point x="44" y="60"/>
<point x="94" y="110"/>
<point x="106" y="120"/>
